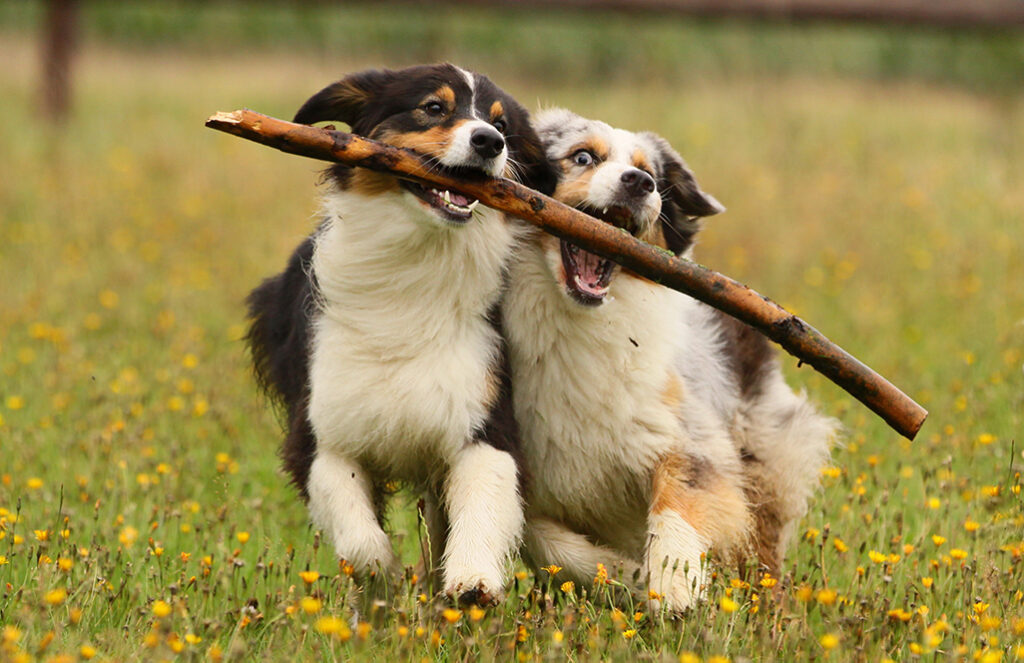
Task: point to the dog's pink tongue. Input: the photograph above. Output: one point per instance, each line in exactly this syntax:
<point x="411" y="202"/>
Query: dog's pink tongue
<point x="459" y="199"/>
<point x="588" y="268"/>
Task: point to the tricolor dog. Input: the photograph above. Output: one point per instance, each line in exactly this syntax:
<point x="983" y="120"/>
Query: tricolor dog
<point x="654" y="428"/>
<point x="381" y="337"/>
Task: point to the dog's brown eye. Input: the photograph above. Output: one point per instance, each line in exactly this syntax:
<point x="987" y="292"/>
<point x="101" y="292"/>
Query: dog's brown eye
<point x="433" y="108"/>
<point x="500" y="125"/>
<point x="583" y="158"/>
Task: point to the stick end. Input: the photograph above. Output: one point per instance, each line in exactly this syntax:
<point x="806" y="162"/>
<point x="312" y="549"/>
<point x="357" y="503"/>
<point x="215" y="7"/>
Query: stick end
<point x="221" y="118"/>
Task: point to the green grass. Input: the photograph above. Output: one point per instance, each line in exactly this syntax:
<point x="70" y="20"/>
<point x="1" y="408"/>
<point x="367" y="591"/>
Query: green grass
<point x="136" y="452"/>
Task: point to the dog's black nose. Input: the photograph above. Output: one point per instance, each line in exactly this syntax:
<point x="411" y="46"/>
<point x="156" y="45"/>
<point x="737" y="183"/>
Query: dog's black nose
<point x="637" y="183"/>
<point x="487" y="142"/>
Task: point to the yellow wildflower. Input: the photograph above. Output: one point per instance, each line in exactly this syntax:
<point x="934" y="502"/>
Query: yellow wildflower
<point x="829" y="641"/>
<point x="161" y="608"/>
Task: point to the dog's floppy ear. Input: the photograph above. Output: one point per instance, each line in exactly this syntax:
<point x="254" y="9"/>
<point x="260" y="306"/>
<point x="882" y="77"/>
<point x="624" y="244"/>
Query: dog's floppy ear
<point x="683" y="202"/>
<point x="346" y="100"/>
<point x="532" y="166"/>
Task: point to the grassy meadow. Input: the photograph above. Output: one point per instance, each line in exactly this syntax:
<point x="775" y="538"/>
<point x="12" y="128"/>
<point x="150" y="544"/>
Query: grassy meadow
<point x="142" y="512"/>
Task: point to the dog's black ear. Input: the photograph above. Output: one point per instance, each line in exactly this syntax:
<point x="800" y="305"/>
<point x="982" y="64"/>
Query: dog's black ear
<point x="533" y="167"/>
<point x="346" y="100"/>
<point x="683" y="202"/>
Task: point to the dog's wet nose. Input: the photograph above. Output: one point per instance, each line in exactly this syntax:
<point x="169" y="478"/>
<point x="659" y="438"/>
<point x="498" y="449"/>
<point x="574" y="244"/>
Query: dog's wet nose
<point x="637" y="183"/>
<point x="487" y="142"/>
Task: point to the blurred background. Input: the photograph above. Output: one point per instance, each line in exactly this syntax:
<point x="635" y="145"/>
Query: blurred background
<point x="869" y="154"/>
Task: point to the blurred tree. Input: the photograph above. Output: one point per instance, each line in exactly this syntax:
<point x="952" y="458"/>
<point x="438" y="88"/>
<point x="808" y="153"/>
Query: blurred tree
<point x="58" y="48"/>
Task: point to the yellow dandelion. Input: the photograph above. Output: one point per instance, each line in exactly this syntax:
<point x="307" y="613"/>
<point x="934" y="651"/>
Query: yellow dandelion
<point x="87" y="651"/>
<point x="980" y="607"/>
<point x="568" y="587"/>
<point x="65" y="564"/>
<point x="476" y="613"/>
<point x="971" y="525"/>
<point x="831" y="472"/>
<point x="990" y="491"/>
<point x="840" y="545"/>
<point x="689" y="657"/>
<point x="309" y="577"/>
<point x="899" y="614"/>
<point x="310" y="605"/>
<point x="552" y="569"/>
<point x="629" y="633"/>
<point x="804" y="593"/>
<point x="243" y="537"/>
<point x="451" y="615"/>
<point x="938" y="539"/>
<point x="826" y="596"/>
<point x="42" y="534"/>
<point x="989" y="623"/>
<point x="333" y="626"/>
<point x="958" y="554"/>
<point x="934" y="503"/>
<point x="161" y="609"/>
<point x="768" y="581"/>
<point x="55" y="597"/>
<point x="602" y="575"/>
<point x="10" y="634"/>
<point x="128" y="536"/>
<point x="812" y="533"/>
<point x="927" y="582"/>
<point x="877" y="557"/>
<point x="829" y="641"/>
<point x="557" y="637"/>
<point x="728" y="605"/>
<point x="986" y="438"/>
<point x="34" y="483"/>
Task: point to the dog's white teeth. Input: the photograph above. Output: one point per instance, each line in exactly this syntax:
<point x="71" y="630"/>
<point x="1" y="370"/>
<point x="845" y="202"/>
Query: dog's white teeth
<point x="604" y="211"/>
<point x="472" y="205"/>
<point x="447" y="197"/>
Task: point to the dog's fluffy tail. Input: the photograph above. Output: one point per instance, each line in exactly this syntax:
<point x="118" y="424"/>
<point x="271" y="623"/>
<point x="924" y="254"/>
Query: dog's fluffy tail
<point x="279" y="313"/>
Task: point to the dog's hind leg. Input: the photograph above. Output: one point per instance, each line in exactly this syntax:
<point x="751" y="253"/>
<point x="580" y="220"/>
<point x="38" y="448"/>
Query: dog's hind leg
<point x="695" y="506"/>
<point x="341" y="504"/>
<point x="548" y="542"/>
<point x="486" y="520"/>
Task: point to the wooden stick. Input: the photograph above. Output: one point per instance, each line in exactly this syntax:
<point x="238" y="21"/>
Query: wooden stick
<point x="796" y="336"/>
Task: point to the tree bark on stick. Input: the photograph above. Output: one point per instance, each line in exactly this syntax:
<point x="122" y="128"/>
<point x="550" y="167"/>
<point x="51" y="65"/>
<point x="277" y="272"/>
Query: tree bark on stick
<point x="793" y="334"/>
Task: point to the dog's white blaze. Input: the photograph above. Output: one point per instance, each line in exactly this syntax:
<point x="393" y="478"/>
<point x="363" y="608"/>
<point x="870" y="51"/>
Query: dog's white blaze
<point x="341" y="506"/>
<point x="673" y="561"/>
<point x="471" y="82"/>
<point x="486" y="516"/>
<point x="400" y="350"/>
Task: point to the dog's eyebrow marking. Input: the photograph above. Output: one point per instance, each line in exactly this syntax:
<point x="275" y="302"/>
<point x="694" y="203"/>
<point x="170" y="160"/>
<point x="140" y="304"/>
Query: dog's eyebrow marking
<point x="497" y="110"/>
<point x="594" y="144"/>
<point x="446" y="94"/>
<point x="471" y="82"/>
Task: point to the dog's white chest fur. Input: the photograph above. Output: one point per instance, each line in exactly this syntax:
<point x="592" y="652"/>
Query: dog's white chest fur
<point x="400" y="348"/>
<point x="588" y="394"/>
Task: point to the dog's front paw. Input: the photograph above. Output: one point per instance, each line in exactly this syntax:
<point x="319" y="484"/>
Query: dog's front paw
<point x="475" y="592"/>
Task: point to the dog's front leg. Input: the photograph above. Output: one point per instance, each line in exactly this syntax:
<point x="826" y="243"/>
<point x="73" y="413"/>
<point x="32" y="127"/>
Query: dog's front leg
<point x="694" y="507"/>
<point x="341" y="505"/>
<point x="485" y="513"/>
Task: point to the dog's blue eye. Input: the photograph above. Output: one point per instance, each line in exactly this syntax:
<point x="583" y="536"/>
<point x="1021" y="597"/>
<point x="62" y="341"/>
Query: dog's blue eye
<point x="583" y="158"/>
<point x="500" y="125"/>
<point x="433" y="108"/>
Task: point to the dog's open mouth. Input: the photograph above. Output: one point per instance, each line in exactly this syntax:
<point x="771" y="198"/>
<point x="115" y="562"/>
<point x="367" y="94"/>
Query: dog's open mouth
<point x="588" y="276"/>
<point x="451" y="205"/>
